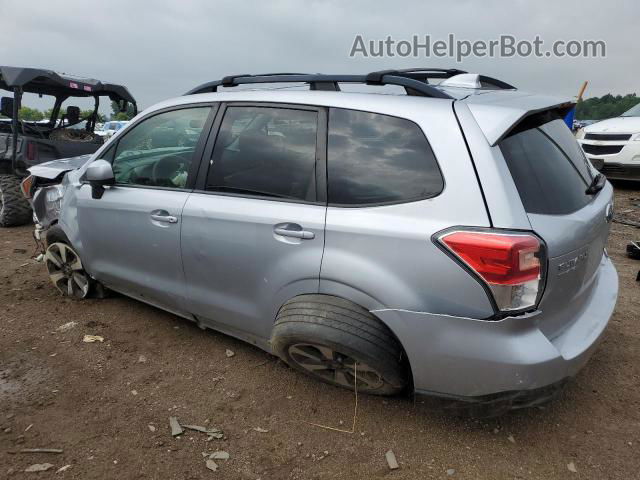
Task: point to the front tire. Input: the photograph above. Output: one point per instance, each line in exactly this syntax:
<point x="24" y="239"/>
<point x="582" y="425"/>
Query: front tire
<point x="64" y="266"/>
<point x="337" y="342"/>
<point x="14" y="208"/>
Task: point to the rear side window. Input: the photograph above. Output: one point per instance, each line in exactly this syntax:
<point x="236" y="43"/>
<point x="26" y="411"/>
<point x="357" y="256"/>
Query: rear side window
<point x="547" y="166"/>
<point x="268" y="152"/>
<point x="375" y="159"/>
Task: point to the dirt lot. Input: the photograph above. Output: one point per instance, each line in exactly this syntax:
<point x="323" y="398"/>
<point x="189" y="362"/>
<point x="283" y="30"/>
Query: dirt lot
<point x="107" y="404"/>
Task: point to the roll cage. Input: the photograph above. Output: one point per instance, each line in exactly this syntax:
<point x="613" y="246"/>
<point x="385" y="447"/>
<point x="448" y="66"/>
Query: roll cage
<point x="61" y="86"/>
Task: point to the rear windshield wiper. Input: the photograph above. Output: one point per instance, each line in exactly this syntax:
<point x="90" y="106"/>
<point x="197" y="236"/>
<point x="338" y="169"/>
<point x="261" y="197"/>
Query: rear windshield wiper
<point x="597" y="184"/>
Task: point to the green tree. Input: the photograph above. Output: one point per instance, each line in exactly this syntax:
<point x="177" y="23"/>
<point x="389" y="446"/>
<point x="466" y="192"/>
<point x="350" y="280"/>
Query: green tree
<point x="121" y="116"/>
<point x="87" y="113"/>
<point x="30" y="114"/>
<point x="607" y="106"/>
<point x="118" y="115"/>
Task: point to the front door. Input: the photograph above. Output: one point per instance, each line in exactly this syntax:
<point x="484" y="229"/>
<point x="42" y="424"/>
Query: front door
<point x="131" y="236"/>
<point x="253" y="231"/>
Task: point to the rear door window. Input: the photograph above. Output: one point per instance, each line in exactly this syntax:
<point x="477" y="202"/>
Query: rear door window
<point x="266" y="152"/>
<point x="378" y="159"/>
<point x="547" y="165"/>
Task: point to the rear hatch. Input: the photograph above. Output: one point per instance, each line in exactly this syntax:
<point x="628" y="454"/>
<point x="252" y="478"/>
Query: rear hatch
<point x="552" y="175"/>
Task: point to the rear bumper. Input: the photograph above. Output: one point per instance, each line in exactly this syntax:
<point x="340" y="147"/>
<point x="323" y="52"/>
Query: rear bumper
<point x="477" y="360"/>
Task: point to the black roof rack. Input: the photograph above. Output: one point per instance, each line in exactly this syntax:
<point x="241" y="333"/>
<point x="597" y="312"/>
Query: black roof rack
<point x="324" y="82"/>
<point x="414" y="80"/>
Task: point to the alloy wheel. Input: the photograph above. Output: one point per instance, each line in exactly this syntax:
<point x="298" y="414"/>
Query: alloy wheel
<point x="65" y="270"/>
<point x="335" y="367"/>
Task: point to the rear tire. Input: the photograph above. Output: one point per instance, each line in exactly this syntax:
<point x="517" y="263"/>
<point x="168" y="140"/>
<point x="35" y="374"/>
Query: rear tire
<point x="325" y="337"/>
<point x="14" y="208"/>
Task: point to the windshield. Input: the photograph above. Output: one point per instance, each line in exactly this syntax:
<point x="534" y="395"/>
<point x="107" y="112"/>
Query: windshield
<point x="632" y="112"/>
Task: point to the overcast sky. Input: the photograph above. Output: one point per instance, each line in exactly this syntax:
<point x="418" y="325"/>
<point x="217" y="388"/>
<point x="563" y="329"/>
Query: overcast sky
<point x="161" y="49"/>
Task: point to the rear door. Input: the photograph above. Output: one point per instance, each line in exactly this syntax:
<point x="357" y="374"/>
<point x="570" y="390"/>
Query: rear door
<point x="552" y="174"/>
<point x="253" y="231"/>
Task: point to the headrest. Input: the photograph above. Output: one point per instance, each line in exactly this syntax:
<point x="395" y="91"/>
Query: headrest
<point x="6" y="106"/>
<point x="73" y="114"/>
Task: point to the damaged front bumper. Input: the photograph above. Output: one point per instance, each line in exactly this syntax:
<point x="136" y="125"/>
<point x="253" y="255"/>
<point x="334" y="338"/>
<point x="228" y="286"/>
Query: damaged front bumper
<point x="50" y="181"/>
<point x="46" y="204"/>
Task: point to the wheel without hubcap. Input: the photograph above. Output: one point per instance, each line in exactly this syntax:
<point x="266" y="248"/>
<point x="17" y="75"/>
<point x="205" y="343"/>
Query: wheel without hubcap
<point x="335" y="367"/>
<point x="65" y="270"/>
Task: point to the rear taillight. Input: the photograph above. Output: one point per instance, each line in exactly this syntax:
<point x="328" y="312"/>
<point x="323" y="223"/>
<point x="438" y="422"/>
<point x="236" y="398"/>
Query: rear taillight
<point x="510" y="264"/>
<point x="32" y="151"/>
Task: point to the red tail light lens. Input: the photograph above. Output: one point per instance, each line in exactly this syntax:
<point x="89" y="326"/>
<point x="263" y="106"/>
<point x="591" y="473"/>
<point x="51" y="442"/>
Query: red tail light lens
<point x="32" y="151"/>
<point x="498" y="259"/>
<point x="510" y="264"/>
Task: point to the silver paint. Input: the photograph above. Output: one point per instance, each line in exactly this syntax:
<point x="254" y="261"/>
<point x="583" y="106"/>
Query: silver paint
<point x="230" y="262"/>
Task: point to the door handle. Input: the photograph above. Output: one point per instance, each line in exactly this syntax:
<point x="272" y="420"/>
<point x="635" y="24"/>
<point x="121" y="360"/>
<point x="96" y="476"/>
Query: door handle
<point x="165" y="218"/>
<point x="302" y="234"/>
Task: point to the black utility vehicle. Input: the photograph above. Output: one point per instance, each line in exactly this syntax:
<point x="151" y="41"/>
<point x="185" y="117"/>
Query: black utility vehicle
<point x="24" y="144"/>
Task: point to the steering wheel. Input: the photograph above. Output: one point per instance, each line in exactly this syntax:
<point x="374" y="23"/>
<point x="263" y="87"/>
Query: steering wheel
<point x="165" y="168"/>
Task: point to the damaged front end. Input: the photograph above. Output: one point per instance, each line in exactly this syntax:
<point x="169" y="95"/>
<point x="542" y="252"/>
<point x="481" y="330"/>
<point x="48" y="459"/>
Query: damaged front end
<point x="45" y="188"/>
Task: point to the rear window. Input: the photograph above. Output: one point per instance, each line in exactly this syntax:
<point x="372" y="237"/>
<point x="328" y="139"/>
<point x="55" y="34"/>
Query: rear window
<point x="376" y="159"/>
<point x="547" y="165"/>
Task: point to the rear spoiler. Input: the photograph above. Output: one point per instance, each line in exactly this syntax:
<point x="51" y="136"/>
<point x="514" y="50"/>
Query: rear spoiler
<point x="499" y="113"/>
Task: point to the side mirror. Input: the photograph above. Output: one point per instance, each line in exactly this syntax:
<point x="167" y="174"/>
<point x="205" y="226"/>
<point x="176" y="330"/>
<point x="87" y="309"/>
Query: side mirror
<point x="99" y="174"/>
<point x="6" y="106"/>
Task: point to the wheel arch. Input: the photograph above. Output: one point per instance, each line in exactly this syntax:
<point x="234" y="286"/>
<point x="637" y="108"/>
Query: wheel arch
<point x="54" y="233"/>
<point x="368" y="300"/>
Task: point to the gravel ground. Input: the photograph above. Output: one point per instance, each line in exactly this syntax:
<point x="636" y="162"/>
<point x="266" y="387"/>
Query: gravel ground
<point x="107" y="404"/>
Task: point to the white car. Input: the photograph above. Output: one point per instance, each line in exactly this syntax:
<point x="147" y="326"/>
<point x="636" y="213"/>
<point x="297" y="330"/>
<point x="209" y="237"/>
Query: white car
<point x="110" y="128"/>
<point x="613" y="145"/>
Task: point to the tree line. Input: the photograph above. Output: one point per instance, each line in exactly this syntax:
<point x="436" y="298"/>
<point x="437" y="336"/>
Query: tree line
<point x="34" y="115"/>
<point x="607" y="106"/>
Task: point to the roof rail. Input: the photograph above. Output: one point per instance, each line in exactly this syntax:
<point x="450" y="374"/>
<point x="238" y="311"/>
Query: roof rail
<point x="424" y="74"/>
<point x="414" y="80"/>
<point x="326" y="82"/>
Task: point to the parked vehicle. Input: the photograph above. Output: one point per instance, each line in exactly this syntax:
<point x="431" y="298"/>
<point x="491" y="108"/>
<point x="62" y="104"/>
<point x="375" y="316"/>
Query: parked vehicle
<point x="450" y="241"/>
<point x="24" y="144"/>
<point x="578" y="124"/>
<point x="613" y="145"/>
<point x="110" y="128"/>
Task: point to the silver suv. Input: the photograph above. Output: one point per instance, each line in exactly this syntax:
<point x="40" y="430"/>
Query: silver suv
<point x="449" y="241"/>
